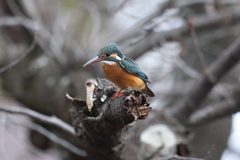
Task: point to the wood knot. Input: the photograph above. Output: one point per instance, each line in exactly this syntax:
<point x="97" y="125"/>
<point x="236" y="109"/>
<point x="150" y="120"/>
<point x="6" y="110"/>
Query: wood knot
<point x="137" y="104"/>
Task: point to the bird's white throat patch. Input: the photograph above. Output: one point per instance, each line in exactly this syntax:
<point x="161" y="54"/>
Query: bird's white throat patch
<point x="108" y="62"/>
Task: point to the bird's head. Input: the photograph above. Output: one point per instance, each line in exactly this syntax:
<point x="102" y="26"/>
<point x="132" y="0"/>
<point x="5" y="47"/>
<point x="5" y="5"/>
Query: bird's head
<point x="108" y="54"/>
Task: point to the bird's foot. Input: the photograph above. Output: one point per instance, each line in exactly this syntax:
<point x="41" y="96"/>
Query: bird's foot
<point x="117" y="94"/>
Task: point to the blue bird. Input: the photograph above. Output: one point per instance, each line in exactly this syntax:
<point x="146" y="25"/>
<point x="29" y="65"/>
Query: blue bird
<point x="122" y="71"/>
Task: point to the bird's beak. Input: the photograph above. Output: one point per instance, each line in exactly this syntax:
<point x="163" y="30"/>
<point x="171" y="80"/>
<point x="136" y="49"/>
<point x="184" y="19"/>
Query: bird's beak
<point x="93" y="61"/>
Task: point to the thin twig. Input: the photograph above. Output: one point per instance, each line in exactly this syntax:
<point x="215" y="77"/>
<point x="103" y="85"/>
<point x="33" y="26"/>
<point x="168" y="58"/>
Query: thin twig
<point x="69" y="97"/>
<point x="134" y="30"/>
<point x="176" y="157"/>
<point x="155" y="152"/>
<point x="43" y="33"/>
<point x="121" y="6"/>
<point x="183" y="3"/>
<point x="22" y="139"/>
<point x="188" y="70"/>
<point x="199" y="52"/>
<point x="52" y="137"/>
<point x="54" y="121"/>
<point x="23" y="55"/>
<point x="52" y="43"/>
<point x="154" y="38"/>
<point x="225" y="14"/>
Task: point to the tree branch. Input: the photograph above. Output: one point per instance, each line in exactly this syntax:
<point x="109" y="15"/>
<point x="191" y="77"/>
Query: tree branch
<point x="54" y="121"/>
<point x="191" y="102"/>
<point x="134" y="31"/>
<point x="176" y="157"/>
<point x="44" y="36"/>
<point x="199" y="51"/>
<point x="183" y="3"/>
<point x="104" y="131"/>
<point x="216" y="110"/>
<point x="51" y="136"/>
<point x="154" y="38"/>
<point x="22" y="56"/>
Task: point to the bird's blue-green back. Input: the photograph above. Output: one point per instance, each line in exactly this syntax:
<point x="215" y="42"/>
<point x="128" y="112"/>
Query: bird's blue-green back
<point x="133" y="68"/>
<point x="126" y="63"/>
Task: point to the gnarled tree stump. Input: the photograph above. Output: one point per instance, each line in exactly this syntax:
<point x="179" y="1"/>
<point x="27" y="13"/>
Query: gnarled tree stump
<point x="101" y="122"/>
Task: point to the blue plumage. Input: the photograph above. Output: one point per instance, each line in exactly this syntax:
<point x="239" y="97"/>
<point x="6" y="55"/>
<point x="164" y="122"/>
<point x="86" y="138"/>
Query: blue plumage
<point x="110" y="48"/>
<point x="133" y="68"/>
<point x="122" y="71"/>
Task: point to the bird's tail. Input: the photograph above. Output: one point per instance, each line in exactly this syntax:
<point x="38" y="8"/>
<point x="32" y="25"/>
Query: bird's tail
<point x="148" y="91"/>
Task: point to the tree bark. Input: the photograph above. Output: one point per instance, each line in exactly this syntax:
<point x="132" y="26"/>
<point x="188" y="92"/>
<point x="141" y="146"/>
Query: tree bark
<point x="104" y="131"/>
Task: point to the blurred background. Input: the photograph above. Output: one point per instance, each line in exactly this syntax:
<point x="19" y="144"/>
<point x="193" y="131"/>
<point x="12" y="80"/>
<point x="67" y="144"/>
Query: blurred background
<point x="167" y="38"/>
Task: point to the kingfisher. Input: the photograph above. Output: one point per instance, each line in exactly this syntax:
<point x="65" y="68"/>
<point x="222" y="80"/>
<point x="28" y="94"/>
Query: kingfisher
<point x="122" y="71"/>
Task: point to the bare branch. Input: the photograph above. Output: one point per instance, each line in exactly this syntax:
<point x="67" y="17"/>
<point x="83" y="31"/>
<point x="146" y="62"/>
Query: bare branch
<point x="13" y="129"/>
<point x="23" y="55"/>
<point x="155" y="153"/>
<point x="134" y="31"/>
<point x="52" y="42"/>
<point x="228" y="59"/>
<point x="154" y="38"/>
<point x="44" y="36"/>
<point x="52" y="137"/>
<point x="199" y="52"/>
<point x="214" y="111"/>
<point x="183" y="3"/>
<point x="176" y="157"/>
<point x="14" y="8"/>
<point x="188" y="70"/>
<point x="225" y="14"/>
<point x="121" y="6"/>
<point x="54" y="121"/>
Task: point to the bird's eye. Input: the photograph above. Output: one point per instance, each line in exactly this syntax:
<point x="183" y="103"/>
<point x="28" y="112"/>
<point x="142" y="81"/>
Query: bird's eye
<point x="108" y="54"/>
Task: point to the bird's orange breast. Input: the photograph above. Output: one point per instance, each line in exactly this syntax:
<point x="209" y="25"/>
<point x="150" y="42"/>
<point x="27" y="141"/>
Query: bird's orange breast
<point x="122" y="78"/>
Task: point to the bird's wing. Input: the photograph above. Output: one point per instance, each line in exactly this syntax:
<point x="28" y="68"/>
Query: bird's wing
<point x="133" y="68"/>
